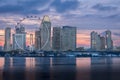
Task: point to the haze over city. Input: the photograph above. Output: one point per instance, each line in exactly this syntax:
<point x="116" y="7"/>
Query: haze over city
<point x="86" y="15"/>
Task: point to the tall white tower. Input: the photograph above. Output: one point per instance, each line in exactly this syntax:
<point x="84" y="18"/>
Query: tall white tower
<point x="93" y="40"/>
<point x="7" y="45"/>
<point x="45" y="30"/>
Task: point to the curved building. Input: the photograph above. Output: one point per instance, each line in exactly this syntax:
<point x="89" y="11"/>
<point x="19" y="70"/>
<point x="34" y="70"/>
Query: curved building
<point x="45" y="32"/>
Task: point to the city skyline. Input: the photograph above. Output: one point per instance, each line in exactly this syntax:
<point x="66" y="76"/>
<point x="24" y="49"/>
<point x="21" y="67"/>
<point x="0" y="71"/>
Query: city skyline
<point x="86" y="15"/>
<point x="83" y="37"/>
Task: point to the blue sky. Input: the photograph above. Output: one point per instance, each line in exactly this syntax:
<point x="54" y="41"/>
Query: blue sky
<point x="84" y="14"/>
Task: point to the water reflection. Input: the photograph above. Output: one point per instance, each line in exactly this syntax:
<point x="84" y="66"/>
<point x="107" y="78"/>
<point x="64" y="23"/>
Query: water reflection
<point x="1" y="68"/>
<point x="105" y="68"/>
<point x="63" y="69"/>
<point x="59" y="68"/>
<point x="83" y="66"/>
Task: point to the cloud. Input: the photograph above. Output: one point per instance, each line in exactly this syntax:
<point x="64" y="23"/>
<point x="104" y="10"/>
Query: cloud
<point x="116" y="34"/>
<point x="37" y="6"/>
<point x="114" y="17"/>
<point x="24" y="6"/>
<point x="65" y="5"/>
<point x="102" y="7"/>
<point x="10" y="9"/>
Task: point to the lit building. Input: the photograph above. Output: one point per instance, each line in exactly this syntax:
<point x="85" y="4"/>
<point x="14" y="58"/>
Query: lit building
<point x="99" y="42"/>
<point x="68" y="38"/>
<point x="109" y="42"/>
<point x="93" y="40"/>
<point x="37" y="40"/>
<point x="56" y="39"/>
<point x="19" y="41"/>
<point x="45" y="34"/>
<point x="19" y="38"/>
<point x="7" y="46"/>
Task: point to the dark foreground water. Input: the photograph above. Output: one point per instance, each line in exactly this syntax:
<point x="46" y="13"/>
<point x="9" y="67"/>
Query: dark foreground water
<point x="70" y="68"/>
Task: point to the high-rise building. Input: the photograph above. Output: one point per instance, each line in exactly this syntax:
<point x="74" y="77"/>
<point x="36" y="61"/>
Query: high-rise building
<point x="45" y="34"/>
<point x="19" y="38"/>
<point x="99" y="42"/>
<point x="68" y="36"/>
<point x="56" y="39"/>
<point x="31" y="39"/>
<point x="102" y="43"/>
<point x="37" y="40"/>
<point x="19" y="41"/>
<point x="109" y="42"/>
<point x="93" y="40"/>
<point x="96" y="41"/>
<point x="7" y="46"/>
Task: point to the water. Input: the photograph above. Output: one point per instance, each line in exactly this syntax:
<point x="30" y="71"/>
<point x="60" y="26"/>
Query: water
<point x="70" y="68"/>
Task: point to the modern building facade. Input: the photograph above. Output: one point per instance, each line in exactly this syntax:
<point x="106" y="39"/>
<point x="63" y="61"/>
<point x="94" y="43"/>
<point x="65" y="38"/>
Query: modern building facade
<point x="102" y="42"/>
<point x="56" y="39"/>
<point x="68" y="38"/>
<point x="7" y="46"/>
<point x="37" y="40"/>
<point x="19" y="39"/>
<point x="93" y="40"/>
<point x="99" y="42"/>
<point x="45" y="32"/>
<point x="109" y="42"/>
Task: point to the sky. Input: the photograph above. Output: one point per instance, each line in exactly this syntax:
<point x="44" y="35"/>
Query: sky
<point x="86" y="15"/>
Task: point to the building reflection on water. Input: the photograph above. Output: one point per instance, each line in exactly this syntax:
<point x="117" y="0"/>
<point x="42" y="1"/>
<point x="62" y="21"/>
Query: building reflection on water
<point x="30" y="69"/>
<point x="83" y="66"/>
<point x="1" y="68"/>
<point x="59" y="68"/>
<point x="105" y="68"/>
<point x="101" y="68"/>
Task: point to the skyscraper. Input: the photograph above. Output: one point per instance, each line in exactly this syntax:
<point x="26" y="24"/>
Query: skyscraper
<point x="68" y="36"/>
<point x="37" y="40"/>
<point x="99" y="42"/>
<point x="19" y="39"/>
<point x="7" y="46"/>
<point x="93" y="40"/>
<point x="56" y="39"/>
<point x="102" y="43"/>
<point x="45" y="34"/>
<point x="109" y="42"/>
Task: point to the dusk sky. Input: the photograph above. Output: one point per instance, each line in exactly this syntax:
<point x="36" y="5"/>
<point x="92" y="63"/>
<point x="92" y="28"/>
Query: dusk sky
<point x="86" y="15"/>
